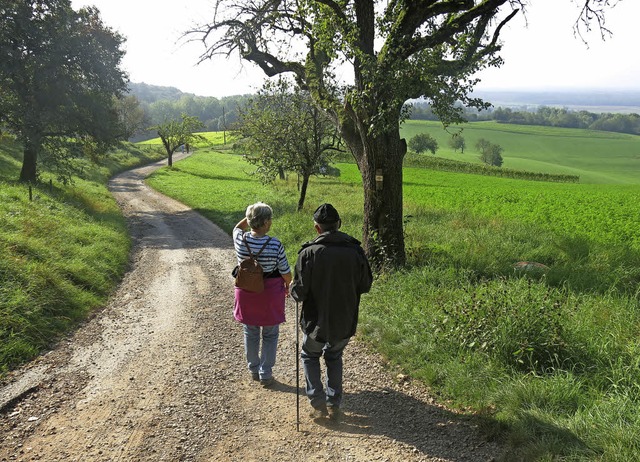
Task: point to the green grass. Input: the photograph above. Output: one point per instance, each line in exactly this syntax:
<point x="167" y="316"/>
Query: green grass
<point x="596" y="157"/>
<point x="220" y="140"/>
<point x="587" y="234"/>
<point x="550" y="359"/>
<point x="61" y="254"/>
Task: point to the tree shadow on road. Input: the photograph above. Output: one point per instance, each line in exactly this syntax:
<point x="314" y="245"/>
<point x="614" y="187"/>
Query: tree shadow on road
<point x="429" y="429"/>
<point x="432" y="430"/>
<point x="185" y="229"/>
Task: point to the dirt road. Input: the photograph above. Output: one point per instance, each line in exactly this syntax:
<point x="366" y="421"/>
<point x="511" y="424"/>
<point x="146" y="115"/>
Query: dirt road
<point x="159" y="373"/>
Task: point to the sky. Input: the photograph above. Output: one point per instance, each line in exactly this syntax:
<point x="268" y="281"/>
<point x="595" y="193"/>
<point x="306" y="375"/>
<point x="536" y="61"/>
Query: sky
<point x="540" y="53"/>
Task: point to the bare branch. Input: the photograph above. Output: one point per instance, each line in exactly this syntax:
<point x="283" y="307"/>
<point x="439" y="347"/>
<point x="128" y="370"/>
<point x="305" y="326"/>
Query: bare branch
<point x="593" y="10"/>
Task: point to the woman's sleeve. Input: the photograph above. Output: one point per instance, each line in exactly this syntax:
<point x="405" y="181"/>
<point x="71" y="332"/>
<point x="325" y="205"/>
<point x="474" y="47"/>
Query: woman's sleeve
<point x="237" y="241"/>
<point x="283" y="263"/>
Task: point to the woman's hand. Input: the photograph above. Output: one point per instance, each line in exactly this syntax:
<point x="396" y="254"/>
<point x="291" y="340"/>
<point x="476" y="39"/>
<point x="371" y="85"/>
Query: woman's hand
<point x="242" y="224"/>
<point x="287" y="283"/>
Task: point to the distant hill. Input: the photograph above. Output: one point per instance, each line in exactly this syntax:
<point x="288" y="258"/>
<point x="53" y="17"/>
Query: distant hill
<point x="169" y="103"/>
<point x="152" y="93"/>
<point x="149" y="94"/>
<point x="597" y="157"/>
<point x="590" y="100"/>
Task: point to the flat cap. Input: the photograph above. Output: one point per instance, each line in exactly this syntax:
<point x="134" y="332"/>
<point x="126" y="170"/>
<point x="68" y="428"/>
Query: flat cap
<point x="326" y="214"/>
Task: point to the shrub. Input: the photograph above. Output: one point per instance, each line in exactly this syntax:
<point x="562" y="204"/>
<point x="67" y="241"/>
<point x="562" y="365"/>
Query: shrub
<point x="457" y="142"/>
<point x="423" y="142"/>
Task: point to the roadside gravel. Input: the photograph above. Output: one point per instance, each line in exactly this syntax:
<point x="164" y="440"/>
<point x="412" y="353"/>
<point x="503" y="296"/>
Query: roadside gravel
<point x="159" y="373"/>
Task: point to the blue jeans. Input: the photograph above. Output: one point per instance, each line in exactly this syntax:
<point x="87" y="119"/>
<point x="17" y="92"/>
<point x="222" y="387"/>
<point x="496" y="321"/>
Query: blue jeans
<point x="261" y="363"/>
<point x="311" y="352"/>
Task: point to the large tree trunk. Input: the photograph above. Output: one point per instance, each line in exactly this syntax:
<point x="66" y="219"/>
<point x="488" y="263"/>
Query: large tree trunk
<point x="380" y="161"/>
<point x="32" y="146"/>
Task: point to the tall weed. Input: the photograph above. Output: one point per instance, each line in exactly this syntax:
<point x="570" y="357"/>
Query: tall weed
<point x="518" y="323"/>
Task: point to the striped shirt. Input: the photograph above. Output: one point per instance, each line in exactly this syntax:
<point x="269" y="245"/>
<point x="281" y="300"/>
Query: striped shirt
<point x="272" y="256"/>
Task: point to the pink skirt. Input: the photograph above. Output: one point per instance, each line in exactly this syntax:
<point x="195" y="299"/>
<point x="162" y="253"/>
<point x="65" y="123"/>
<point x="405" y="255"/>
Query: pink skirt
<point x="264" y="309"/>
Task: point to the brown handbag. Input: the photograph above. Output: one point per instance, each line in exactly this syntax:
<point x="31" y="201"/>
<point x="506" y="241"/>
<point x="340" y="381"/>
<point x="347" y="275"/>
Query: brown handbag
<point x="249" y="274"/>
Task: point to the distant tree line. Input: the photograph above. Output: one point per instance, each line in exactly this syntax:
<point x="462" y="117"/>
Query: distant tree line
<point x="544" y="116"/>
<point x="160" y="104"/>
<point x="560" y="117"/>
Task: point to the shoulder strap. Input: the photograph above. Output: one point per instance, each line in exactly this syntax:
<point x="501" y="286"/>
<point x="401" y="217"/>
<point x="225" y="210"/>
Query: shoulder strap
<point x="263" y="247"/>
<point x="244" y="239"/>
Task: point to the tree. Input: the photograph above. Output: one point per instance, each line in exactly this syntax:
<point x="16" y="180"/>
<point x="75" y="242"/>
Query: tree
<point x="494" y="156"/>
<point x="396" y="51"/>
<point x="131" y="117"/>
<point x="482" y="145"/>
<point x="423" y="142"/>
<point x="457" y="142"/>
<point x="284" y="130"/>
<point x="59" y="74"/>
<point x="490" y="154"/>
<point x="176" y="133"/>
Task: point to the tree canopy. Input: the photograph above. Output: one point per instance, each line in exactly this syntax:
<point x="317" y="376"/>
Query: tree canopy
<point x="394" y="51"/>
<point x="423" y="142"/>
<point x="284" y="130"/>
<point x="490" y="153"/>
<point x="176" y="133"/>
<point x="59" y="74"/>
<point x="457" y="142"/>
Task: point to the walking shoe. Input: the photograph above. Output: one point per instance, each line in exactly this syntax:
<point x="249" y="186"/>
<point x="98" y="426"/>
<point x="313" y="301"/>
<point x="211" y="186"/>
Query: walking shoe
<point x="267" y="382"/>
<point x="335" y="413"/>
<point x="255" y="376"/>
<point x="319" y="412"/>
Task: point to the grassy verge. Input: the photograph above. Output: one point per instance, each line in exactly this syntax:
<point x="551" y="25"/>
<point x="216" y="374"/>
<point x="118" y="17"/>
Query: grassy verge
<point x="60" y="254"/>
<point x="549" y="359"/>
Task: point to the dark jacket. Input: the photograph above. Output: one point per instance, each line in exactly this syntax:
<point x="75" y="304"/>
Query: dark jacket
<point x="331" y="273"/>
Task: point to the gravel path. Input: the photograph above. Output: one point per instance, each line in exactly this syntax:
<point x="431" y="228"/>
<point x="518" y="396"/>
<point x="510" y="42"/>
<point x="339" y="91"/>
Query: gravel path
<point x="159" y="373"/>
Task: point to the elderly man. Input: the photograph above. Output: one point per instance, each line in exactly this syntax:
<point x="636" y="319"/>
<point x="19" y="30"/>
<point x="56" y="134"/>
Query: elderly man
<point x="331" y="273"/>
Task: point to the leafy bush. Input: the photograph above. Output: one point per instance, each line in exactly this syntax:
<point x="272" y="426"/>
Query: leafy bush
<point x="423" y="142"/>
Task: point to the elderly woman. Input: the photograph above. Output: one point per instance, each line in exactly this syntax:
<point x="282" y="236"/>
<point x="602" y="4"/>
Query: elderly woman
<point x="261" y="313"/>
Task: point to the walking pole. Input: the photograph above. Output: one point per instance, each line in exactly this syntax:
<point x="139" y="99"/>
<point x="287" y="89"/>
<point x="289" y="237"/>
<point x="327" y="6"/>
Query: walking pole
<point x="297" y="372"/>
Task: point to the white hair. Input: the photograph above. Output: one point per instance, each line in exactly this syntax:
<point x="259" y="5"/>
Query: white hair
<point x="258" y="214"/>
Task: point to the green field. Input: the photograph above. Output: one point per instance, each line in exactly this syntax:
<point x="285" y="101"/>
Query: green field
<point x="597" y="157"/>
